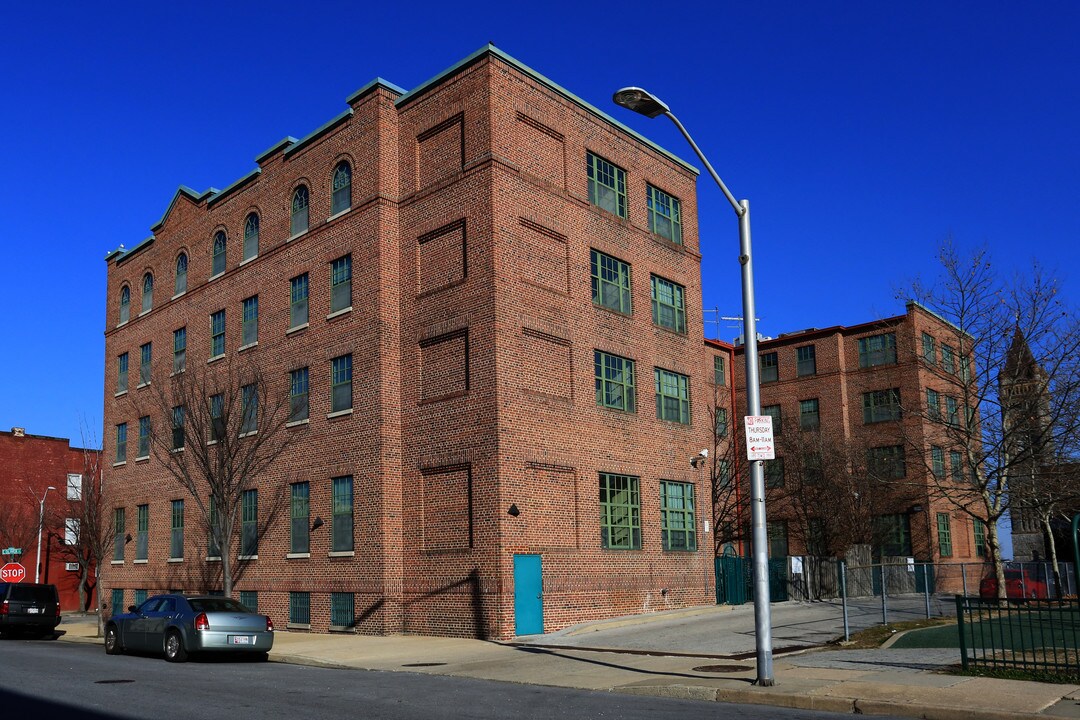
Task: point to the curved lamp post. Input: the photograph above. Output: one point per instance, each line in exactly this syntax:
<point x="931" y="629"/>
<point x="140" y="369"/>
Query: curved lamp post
<point x="640" y="101"/>
<point x="41" y="522"/>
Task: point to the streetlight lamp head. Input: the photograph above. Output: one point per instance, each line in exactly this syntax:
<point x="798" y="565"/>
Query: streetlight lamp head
<point x="640" y="101"/>
<point x="51" y="487"/>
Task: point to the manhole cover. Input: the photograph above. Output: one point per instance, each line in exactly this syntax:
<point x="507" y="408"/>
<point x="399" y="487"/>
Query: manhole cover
<point x="111" y="682"/>
<point x="422" y="664"/>
<point x="721" y="668"/>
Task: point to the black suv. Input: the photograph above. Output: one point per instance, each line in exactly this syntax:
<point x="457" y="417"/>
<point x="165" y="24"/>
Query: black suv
<point x="29" y="607"/>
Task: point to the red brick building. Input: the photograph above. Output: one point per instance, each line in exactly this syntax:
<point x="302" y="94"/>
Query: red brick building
<point x="29" y="466"/>
<point x="875" y="400"/>
<point x="484" y="296"/>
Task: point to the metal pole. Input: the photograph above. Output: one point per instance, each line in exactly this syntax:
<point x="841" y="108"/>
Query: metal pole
<point x="843" y="600"/>
<point x="1076" y="546"/>
<point x="926" y="590"/>
<point x="884" y="602"/>
<point x="963" y="573"/>
<point x="41" y="522"/>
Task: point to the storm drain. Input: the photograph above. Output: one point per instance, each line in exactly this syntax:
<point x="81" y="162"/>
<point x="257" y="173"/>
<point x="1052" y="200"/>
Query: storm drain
<point x="721" y="668"/>
<point x="422" y="664"/>
<point x="112" y="682"/>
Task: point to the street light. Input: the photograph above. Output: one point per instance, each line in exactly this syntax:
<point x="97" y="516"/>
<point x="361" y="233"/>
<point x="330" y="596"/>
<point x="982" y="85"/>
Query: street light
<point x="41" y="523"/>
<point x="640" y="101"/>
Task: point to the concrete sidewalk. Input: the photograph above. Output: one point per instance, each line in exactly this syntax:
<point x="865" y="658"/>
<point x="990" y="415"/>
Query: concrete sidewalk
<point x="903" y="683"/>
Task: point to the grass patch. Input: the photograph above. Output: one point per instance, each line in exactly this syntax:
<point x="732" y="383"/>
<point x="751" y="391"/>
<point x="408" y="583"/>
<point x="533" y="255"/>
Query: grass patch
<point x="874" y="637"/>
<point x="1046" y="676"/>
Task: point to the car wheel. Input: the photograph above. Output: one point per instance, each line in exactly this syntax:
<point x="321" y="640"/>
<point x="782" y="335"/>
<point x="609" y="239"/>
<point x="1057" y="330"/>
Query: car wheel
<point x="112" y="641"/>
<point x="174" y="647"/>
<point x="260" y="656"/>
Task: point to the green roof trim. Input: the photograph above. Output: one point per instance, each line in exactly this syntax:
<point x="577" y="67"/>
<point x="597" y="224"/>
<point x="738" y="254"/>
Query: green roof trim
<point x="490" y="49"/>
<point x="319" y="132"/>
<point x="371" y="86"/>
<point x="235" y="186"/>
<point x="283" y="143"/>
<point x="195" y="197"/>
<point x="125" y="254"/>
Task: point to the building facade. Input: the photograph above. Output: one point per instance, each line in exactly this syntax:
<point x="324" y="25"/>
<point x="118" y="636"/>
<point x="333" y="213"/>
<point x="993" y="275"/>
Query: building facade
<point x="481" y="298"/>
<point x="33" y="468"/>
<point x="863" y="417"/>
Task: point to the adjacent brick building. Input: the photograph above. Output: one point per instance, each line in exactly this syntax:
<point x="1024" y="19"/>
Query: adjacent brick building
<point x="483" y="296"/>
<point x="883" y="395"/>
<point x="29" y="466"/>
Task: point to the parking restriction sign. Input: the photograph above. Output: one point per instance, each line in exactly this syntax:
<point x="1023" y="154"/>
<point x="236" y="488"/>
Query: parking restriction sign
<point x="759" y="437"/>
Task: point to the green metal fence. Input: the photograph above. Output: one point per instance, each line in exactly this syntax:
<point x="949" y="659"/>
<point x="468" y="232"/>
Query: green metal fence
<point x="1037" y="636"/>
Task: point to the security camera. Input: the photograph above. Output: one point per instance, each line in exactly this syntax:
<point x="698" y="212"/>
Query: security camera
<point x="699" y="459"/>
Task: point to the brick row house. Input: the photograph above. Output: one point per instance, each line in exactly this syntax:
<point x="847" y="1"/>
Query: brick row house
<point x="875" y="405"/>
<point x="481" y="298"/>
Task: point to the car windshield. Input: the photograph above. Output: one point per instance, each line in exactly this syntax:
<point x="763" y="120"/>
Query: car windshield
<point x="216" y="605"/>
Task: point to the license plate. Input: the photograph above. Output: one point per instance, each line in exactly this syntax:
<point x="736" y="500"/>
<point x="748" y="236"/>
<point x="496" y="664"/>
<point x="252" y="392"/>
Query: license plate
<point x="32" y="611"/>
<point x="240" y="639"/>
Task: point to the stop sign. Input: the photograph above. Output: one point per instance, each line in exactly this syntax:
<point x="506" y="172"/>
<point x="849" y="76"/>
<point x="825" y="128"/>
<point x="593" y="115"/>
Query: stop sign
<point x="12" y="572"/>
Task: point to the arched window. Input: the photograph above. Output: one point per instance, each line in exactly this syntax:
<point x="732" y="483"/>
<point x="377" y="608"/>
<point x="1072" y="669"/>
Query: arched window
<point x="342" y="197"/>
<point x="147" y="292"/>
<point x="299" y="222"/>
<point x="181" y="273"/>
<point x="219" y="253"/>
<point x="251" y="236"/>
<point x="125" y="304"/>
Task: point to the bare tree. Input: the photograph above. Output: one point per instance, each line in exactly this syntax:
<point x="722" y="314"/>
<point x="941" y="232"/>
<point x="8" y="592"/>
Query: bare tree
<point x="1015" y="372"/>
<point x="17" y="524"/>
<point x="217" y="430"/>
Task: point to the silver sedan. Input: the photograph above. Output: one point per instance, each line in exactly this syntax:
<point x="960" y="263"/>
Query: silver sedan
<point x="178" y="625"/>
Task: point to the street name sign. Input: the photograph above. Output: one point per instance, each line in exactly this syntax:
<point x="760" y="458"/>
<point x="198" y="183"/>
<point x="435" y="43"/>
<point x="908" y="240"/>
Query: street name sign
<point x="11" y="551"/>
<point x="759" y="437"/>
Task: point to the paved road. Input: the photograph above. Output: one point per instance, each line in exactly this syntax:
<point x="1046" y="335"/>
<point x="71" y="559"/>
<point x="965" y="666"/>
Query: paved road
<point x="64" y="680"/>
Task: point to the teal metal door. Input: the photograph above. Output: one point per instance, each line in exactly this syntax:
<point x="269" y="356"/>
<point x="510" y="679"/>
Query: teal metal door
<point x="528" y="595"/>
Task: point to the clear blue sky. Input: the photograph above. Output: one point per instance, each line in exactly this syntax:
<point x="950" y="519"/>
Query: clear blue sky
<point x="864" y="133"/>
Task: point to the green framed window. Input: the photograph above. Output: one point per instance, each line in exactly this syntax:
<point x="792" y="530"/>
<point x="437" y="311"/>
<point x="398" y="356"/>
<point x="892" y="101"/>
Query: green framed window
<point x="249" y="531"/>
<point x="342" y="518"/>
<point x="300" y="514"/>
<point x="117" y="600"/>
<point x="665" y="214"/>
<point x="944" y="534"/>
<point x="877" y="350"/>
<point x="147" y="292"/>
<point x="980" y="538"/>
<point x="777" y="533"/>
<point x="122" y="373"/>
<point x="777" y="415"/>
<point x="217" y="334"/>
<point x="937" y="461"/>
<point x="952" y="411"/>
<point x="119" y="531"/>
<point x="886" y="463"/>
<point x="620" y="512"/>
<point x="341" y="199"/>
<point x="341" y="284"/>
<point x="180" y="285"/>
<point x="179" y="343"/>
<point x="142" y="532"/>
<point x="723" y="472"/>
<point x="672" y="396"/>
<point x="809" y="414"/>
<point x="341" y="383"/>
<point x="249" y="418"/>
<point x="146" y="353"/>
<point x="140" y="597"/>
<point x="250" y="600"/>
<point x="668" y="304"/>
<point x="217" y="417"/>
<point x="806" y="360"/>
<point x="614" y="381"/>
<point x="721" y="426"/>
<point x="298" y="395"/>
<point x="176" y="537"/>
<point x="881" y="405"/>
<point x="933" y="405"/>
<point x="342" y="610"/>
<point x="299" y="608"/>
<point x="251" y="236"/>
<point x="218" y="261"/>
<point x="774" y="472"/>
<point x="144" y="437"/>
<point x="125" y="304"/>
<point x="947" y="362"/>
<point x="813" y="469"/>
<point x="929" y="348"/>
<point x="298" y="218"/>
<point x="607" y="185"/>
<point x="298" y="301"/>
<point x="677" y="516"/>
<point x="719" y="368"/>
<point x="610" y="282"/>
<point x="213" y="549"/>
<point x="769" y="366"/>
<point x="249" y="324"/>
<point x="121" y="443"/>
<point x="178" y="438"/>
<point x="956" y="466"/>
<point x="892" y="534"/>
